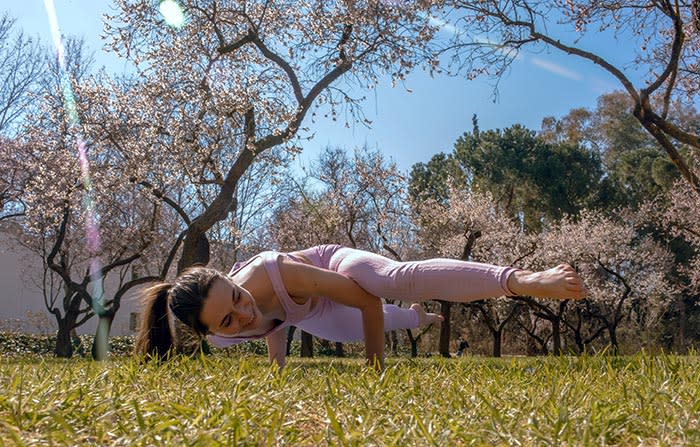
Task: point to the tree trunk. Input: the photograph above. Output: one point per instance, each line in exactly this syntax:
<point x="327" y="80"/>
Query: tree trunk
<point x="497" y="338"/>
<point x="414" y="343"/>
<point x="290" y="338"/>
<point x="394" y="338"/>
<point x="307" y="344"/>
<point x="195" y="250"/>
<point x="578" y="339"/>
<point x="578" y="336"/>
<point x="612" y="332"/>
<point x="532" y="347"/>
<point x="205" y="347"/>
<point x="445" y="329"/>
<point x="682" y="325"/>
<point x="556" y="336"/>
<point x="77" y="344"/>
<point x="64" y="347"/>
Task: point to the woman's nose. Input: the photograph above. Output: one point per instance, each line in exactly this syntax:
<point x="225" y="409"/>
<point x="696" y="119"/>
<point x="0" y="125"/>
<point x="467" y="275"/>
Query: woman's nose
<point x="242" y="311"/>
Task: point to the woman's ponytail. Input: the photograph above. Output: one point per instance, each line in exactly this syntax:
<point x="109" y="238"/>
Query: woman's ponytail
<point x="155" y="336"/>
<point x="165" y="302"/>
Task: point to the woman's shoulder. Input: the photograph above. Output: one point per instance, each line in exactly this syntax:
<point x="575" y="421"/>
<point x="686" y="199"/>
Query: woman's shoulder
<point x="269" y="258"/>
<point x="249" y="264"/>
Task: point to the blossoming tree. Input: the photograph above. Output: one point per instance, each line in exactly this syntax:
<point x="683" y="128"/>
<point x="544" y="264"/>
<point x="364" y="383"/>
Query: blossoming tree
<point x="469" y="225"/>
<point x="625" y="272"/>
<point x="238" y="79"/>
<point x="357" y="200"/>
<point x="84" y="222"/>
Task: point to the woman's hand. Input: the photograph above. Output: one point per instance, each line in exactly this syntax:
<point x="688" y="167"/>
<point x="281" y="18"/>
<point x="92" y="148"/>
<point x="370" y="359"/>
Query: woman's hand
<point x="307" y="280"/>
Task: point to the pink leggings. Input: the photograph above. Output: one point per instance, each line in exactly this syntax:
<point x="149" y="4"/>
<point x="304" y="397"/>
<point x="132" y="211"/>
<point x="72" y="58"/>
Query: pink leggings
<point x="440" y="279"/>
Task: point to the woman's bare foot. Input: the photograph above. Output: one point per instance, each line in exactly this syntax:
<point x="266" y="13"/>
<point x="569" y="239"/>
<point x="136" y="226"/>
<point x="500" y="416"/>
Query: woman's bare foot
<point x="425" y="317"/>
<point x="560" y="282"/>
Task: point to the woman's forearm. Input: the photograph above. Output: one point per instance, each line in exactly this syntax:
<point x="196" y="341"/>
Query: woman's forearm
<point x="373" y="327"/>
<point x="307" y="280"/>
<point x="276" y="348"/>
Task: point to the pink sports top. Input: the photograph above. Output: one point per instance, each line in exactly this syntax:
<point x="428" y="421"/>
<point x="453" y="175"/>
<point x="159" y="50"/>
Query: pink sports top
<point x="294" y="312"/>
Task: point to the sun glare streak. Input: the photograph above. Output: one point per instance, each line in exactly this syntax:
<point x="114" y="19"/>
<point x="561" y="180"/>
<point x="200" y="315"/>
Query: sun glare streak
<point x="91" y="225"/>
<point x="172" y="13"/>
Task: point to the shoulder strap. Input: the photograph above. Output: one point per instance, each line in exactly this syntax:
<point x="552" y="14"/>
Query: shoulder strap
<point x="240" y="264"/>
<point x="295" y="312"/>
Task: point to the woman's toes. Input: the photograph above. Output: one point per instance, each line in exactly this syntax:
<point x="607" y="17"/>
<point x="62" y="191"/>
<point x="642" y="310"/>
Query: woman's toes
<point x="436" y="318"/>
<point x="425" y="317"/>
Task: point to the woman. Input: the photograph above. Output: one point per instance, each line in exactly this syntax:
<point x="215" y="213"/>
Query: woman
<point x="330" y="291"/>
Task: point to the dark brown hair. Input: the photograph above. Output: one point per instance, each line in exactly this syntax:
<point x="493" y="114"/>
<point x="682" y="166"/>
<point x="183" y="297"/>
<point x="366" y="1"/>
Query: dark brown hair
<point x="183" y="298"/>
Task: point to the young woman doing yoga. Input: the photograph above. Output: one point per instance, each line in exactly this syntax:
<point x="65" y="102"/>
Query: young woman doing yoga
<point x="330" y="291"/>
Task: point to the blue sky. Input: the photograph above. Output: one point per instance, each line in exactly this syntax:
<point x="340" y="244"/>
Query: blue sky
<point x="407" y="126"/>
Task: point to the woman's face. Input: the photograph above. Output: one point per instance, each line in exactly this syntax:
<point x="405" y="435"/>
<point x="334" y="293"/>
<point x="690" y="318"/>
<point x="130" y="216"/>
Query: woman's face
<point x="230" y="310"/>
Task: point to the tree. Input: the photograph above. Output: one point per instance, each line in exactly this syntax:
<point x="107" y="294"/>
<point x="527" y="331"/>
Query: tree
<point x="432" y="179"/>
<point x="237" y="80"/>
<point x="470" y="225"/>
<point x="257" y="194"/>
<point x="21" y="63"/>
<point x="526" y="175"/>
<point x="625" y="272"/>
<point x="681" y="217"/>
<point x="13" y="179"/>
<point x="65" y="206"/>
<point x="358" y="202"/>
<point x="20" y="69"/>
<point x="677" y="214"/>
<point x="667" y="36"/>
<point x="636" y="167"/>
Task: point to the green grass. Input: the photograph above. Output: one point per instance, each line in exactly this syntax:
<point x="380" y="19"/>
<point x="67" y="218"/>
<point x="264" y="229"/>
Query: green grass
<point x="644" y="399"/>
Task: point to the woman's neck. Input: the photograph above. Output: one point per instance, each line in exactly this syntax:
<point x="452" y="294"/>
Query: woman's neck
<point x="269" y="306"/>
<point x="254" y="279"/>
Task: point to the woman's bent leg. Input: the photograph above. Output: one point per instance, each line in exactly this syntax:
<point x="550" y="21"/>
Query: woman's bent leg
<point x="344" y="324"/>
<point x="442" y="279"/>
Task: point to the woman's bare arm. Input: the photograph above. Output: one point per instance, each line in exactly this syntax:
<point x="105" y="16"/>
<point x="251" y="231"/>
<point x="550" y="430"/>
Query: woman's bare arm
<point x="308" y="280"/>
<point x="277" y="347"/>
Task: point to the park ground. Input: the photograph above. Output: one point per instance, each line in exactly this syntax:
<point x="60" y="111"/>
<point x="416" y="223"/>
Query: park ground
<point x="589" y="400"/>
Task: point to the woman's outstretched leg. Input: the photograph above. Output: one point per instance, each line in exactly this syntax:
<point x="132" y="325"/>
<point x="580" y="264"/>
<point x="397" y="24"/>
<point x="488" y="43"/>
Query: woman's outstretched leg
<point x="450" y="279"/>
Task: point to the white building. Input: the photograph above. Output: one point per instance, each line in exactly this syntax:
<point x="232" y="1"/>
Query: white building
<point x="22" y="305"/>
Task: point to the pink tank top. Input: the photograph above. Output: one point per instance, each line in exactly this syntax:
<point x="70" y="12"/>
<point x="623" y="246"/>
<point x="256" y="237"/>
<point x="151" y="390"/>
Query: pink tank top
<point x="294" y="312"/>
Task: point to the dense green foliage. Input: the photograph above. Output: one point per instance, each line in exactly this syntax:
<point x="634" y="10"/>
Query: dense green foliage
<point x="241" y="401"/>
<point x="636" y="167"/>
<point x="18" y="345"/>
<point x="526" y="175"/>
<point x="14" y="344"/>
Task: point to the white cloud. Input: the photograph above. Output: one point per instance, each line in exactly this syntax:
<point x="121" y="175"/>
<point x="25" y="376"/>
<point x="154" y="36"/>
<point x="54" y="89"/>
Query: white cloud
<point x="507" y="51"/>
<point x="500" y="48"/>
<point x="447" y="27"/>
<point x="556" y="69"/>
<point x="601" y="86"/>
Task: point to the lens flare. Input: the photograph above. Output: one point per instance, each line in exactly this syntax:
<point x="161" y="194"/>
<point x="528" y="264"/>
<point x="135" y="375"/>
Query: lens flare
<point x="92" y="229"/>
<point x="172" y="13"/>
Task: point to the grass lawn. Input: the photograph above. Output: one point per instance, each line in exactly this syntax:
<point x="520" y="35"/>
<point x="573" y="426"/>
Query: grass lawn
<point x="644" y="399"/>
